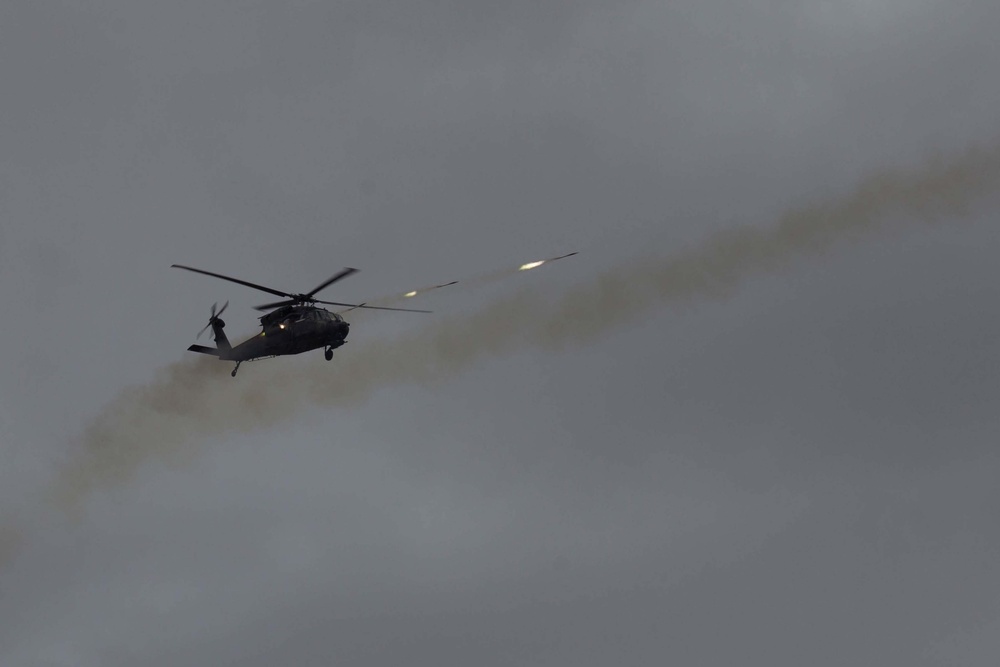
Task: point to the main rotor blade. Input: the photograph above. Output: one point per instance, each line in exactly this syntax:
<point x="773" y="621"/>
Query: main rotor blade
<point x="277" y="304"/>
<point x="348" y="306"/>
<point x="232" y="280"/>
<point x="343" y="274"/>
<point x="352" y="306"/>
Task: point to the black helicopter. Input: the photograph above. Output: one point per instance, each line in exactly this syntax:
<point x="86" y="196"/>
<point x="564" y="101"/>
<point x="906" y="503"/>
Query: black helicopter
<point x="295" y="325"/>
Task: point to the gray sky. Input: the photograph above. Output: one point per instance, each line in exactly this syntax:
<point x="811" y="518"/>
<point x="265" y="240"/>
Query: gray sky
<point x="801" y="471"/>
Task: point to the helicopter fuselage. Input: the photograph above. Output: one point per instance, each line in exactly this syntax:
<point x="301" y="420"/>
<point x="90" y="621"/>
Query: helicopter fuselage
<point x="285" y="331"/>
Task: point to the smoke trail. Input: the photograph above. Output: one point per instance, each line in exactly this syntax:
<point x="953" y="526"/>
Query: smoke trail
<point x="192" y="399"/>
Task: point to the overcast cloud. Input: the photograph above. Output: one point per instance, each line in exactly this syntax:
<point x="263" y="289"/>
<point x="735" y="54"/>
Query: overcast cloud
<point x="789" y="463"/>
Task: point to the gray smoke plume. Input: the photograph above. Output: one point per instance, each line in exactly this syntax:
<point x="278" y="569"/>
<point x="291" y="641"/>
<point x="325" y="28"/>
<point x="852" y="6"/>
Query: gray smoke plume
<point x="194" y="399"/>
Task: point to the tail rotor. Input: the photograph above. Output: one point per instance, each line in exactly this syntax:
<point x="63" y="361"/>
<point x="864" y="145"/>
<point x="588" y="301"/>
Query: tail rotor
<point x="214" y="319"/>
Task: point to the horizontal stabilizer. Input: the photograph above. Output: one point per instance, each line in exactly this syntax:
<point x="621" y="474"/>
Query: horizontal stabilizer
<point x="204" y="350"/>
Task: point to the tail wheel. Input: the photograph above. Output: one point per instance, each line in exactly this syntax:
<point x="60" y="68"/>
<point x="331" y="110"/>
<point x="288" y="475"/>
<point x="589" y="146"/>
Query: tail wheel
<point x="328" y="354"/>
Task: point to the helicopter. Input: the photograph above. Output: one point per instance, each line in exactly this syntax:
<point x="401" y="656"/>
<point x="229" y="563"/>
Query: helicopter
<point x="296" y="324"/>
<point x="293" y="325"/>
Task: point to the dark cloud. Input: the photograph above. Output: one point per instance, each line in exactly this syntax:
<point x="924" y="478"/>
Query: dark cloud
<point x="789" y="464"/>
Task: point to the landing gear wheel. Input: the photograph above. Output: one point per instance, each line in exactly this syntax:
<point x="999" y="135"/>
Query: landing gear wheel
<point x="236" y="369"/>
<point x="233" y="373"/>
<point x="328" y="354"/>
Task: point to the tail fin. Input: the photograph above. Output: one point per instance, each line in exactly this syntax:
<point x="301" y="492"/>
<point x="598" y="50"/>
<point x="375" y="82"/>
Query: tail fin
<point x="220" y="336"/>
<point x="222" y="345"/>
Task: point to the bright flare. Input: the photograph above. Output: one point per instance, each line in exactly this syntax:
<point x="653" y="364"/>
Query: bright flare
<point x="409" y="294"/>
<point x="531" y="265"/>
